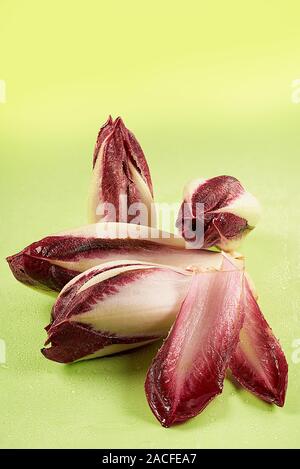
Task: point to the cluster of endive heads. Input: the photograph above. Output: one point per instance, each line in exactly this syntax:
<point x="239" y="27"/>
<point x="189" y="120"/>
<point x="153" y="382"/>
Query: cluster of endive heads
<point x="117" y="293"/>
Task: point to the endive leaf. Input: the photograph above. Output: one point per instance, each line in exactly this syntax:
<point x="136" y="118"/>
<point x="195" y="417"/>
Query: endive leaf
<point x="189" y="369"/>
<point x="259" y="363"/>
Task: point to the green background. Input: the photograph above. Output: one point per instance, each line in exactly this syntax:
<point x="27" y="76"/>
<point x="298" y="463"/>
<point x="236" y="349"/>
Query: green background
<point x="207" y="91"/>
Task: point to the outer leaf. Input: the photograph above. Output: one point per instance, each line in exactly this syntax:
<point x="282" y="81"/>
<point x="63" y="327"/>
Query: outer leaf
<point x="104" y="131"/>
<point x="259" y="363"/>
<point x="189" y="369"/>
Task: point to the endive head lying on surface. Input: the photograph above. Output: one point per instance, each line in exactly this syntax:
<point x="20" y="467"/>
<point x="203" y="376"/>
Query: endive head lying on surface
<point x="222" y="207"/>
<point x="53" y="261"/>
<point x="121" y="179"/>
<point x="219" y="325"/>
<point x="125" y="304"/>
<point x="114" y="307"/>
<point x="118" y="305"/>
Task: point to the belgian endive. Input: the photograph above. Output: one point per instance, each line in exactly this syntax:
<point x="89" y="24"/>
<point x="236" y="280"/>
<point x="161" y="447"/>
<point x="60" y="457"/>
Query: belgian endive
<point x="114" y="307"/>
<point x="219" y="208"/>
<point x="219" y="326"/>
<point x="119" y="305"/>
<point x="121" y="187"/>
<point x="124" y="304"/>
<point x="123" y="284"/>
<point x="53" y="261"/>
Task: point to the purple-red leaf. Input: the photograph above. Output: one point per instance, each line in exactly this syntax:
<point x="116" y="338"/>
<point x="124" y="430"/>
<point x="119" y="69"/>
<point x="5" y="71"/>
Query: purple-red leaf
<point x="189" y="369"/>
<point x="259" y="363"/>
<point x="104" y="131"/>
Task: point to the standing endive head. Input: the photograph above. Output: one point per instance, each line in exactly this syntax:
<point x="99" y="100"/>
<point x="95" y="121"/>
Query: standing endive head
<point x="225" y="210"/>
<point x="121" y="183"/>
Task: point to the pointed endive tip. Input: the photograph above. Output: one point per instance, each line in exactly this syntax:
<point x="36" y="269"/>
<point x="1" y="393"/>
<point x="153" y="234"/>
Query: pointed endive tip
<point x="16" y="265"/>
<point x="279" y="399"/>
<point x="119" y="122"/>
<point x="102" y="134"/>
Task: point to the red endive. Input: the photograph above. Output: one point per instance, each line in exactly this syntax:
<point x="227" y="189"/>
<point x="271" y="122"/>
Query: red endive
<point x="121" y="183"/>
<point x="114" y="307"/>
<point x="228" y="212"/>
<point x="52" y="262"/>
<point x="189" y="369"/>
<point x="259" y="363"/>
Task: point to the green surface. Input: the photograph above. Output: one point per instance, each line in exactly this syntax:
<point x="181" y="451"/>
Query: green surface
<point x="207" y="90"/>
